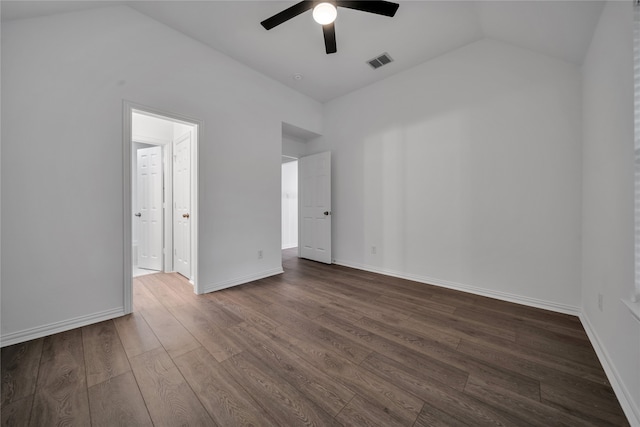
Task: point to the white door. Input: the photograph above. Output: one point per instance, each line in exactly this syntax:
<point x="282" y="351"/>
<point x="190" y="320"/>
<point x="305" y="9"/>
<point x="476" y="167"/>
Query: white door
<point x="182" y="205"/>
<point x="149" y="215"/>
<point x="314" y="175"/>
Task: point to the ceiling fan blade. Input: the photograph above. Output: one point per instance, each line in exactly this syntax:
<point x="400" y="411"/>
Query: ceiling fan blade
<point x="287" y="14"/>
<point x="379" y="7"/>
<point x="329" y="31"/>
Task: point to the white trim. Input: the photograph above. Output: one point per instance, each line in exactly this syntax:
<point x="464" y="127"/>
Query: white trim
<point x="241" y="280"/>
<point x="634" y="307"/>
<point x="143" y="139"/>
<point x="630" y="408"/>
<point x="127" y="279"/>
<point x="504" y="296"/>
<point x="62" y="326"/>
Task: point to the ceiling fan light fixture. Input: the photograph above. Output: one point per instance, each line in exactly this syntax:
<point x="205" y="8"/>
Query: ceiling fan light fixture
<point x="325" y="13"/>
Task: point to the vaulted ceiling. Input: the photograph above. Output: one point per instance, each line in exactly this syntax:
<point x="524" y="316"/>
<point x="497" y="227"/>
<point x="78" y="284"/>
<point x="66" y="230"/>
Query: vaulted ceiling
<point x="420" y="31"/>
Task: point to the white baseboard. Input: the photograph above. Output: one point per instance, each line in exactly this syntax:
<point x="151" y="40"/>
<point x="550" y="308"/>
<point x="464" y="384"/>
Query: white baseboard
<point x="630" y="408"/>
<point x="504" y="296"/>
<point x="57" y="327"/>
<point x="241" y="280"/>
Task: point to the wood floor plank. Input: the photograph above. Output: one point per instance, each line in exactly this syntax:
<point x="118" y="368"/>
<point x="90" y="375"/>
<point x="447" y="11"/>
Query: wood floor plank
<point x="19" y="370"/>
<point x="440" y="395"/>
<point x="313" y="383"/>
<point x="142" y="298"/>
<point x="104" y="355"/>
<point x="281" y="400"/>
<point x="61" y="391"/>
<point x="361" y="381"/>
<point x="557" y="344"/>
<point x="421" y="340"/>
<point x="584" y="404"/>
<point x="135" y="334"/>
<point x="17" y="412"/>
<point x="329" y="303"/>
<point x="247" y="314"/>
<point x="460" y="327"/>
<point x="545" y="358"/>
<point x="368" y="308"/>
<point x="404" y="302"/>
<point x="222" y="396"/>
<point x="533" y="411"/>
<point x="183" y="291"/>
<point x="168" y="296"/>
<point x="345" y="347"/>
<point x="430" y="416"/>
<point x="167" y="394"/>
<point x="216" y="340"/>
<point x="557" y="388"/>
<point x="361" y="412"/>
<point x="170" y="332"/>
<point x="118" y="402"/>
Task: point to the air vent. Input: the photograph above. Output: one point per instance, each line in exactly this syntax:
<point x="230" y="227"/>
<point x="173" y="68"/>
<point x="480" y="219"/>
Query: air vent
<point x="380" y="61"/>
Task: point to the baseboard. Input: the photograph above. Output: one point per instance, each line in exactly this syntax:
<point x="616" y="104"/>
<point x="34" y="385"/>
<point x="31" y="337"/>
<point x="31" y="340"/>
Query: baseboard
<point x="630" y="408"/>
<point x="504" y="296"/>
<point x="241" y="280"/>
<point x="57" y="327"/>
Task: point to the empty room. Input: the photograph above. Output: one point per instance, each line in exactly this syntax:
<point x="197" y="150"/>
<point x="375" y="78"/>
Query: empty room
<point x="274" y="213"/>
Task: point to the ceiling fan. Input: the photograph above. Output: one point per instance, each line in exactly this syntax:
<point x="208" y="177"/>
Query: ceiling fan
<point x="325" y="12"/>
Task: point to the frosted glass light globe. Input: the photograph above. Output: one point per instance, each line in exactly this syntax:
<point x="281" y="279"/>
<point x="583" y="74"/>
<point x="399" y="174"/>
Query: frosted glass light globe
<point x="325" y="13"/>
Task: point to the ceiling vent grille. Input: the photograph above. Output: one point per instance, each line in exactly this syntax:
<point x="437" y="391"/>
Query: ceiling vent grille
<point x="381" y="60"/>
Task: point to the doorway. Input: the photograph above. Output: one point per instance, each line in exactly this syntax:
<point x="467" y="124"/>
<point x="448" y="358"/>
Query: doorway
<point x="289" y="202"/>
<point x="161" y="200"/>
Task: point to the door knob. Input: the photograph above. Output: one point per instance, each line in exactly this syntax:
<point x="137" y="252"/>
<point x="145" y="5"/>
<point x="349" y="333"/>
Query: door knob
<point x="186" y="215"/>
<point x="138" y="214"/>
<point x="327" y="213"/>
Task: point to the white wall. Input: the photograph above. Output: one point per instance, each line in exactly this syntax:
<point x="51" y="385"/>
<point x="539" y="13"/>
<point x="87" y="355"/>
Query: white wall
<point x="290" y="205"/>
<point x="465" y="172"/>
<point x="608" y="224"/>
<point x="64" y="79"/>
<point x="293" y="147"/>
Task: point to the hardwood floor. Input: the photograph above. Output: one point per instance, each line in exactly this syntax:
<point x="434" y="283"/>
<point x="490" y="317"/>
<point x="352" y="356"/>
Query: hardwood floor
<point x="317" y="345"/>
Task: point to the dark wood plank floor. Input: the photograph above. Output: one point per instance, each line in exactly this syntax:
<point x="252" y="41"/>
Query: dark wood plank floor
<point x="317" y="345"/>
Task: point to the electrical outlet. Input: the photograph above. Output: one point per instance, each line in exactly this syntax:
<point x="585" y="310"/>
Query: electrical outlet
<point x="260" y="254"/>
<point x="600" y="301"/>
<point x="373" y="250"/>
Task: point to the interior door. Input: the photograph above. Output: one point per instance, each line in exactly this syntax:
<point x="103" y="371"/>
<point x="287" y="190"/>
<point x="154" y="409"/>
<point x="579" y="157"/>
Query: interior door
<point x="314" y="186"/>
<point x="182" y="205"/>
<point x="149" y="215"/>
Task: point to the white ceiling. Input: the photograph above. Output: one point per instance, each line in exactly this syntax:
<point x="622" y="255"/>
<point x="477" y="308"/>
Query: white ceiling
<point x="421" y="30"/>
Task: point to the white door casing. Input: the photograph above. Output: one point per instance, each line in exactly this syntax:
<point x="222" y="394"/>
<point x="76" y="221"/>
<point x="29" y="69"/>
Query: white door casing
<point x="314" y="176"/>
<point x="149" y="214"/>
<point x="182" y="205"/>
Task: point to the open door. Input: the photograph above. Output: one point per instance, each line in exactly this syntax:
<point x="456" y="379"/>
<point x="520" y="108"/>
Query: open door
<point x="149" y="215"/>
<point x="314" y="186"/>
<point x="182" y="205"/>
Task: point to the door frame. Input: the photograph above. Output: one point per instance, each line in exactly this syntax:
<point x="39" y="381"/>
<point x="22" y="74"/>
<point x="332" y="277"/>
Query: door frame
<point x="127" y="140"/>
